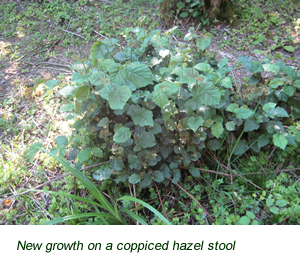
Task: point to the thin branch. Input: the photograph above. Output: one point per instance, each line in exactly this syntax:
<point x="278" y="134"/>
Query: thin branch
<point x="74" y="33"/>
<point x="162" y="205"/>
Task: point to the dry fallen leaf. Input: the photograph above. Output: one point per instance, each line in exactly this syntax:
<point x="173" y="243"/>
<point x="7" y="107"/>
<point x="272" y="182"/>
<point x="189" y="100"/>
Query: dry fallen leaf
<point x="8" y="202"/>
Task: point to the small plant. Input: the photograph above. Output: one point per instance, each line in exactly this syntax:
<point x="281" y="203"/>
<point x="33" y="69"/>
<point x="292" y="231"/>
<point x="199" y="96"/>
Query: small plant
<point x="151" y="110"/>
<point x="113" y="215"/>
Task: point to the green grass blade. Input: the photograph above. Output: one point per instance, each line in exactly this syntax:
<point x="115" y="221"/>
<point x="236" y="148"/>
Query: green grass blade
<point x="77" y="216"/>
<point x="86" y="182"/>
<point x="153" y="210"/>
<point x="133" y="216"/>
<point x="72" y="197"/>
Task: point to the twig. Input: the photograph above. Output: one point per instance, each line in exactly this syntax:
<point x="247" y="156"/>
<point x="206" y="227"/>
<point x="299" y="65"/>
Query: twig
<point x="61" y="70"/>
<point x="49" y="181"/>
<point x="74" y="34"/>
<point x="100" y="34"/>
<point x="231" y="181"/>
<point x="137" y="213"/>
<point x="60" y="60"/>
<point x="47" y="63"/>
<point x="162" y="205"/>
<point x="107" y="2"/>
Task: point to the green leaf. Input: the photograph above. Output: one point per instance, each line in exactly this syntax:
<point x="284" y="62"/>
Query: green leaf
<point x="122" y="135"/>
<point x="118" y="72"/>
<point x="142" y="116"/>
<point x="82" y="93"/>
<point x="84" y="155"/>
<point x="134" y="162"/>
<point x="245" y="59"/>
<point x="118" y="98"/>
<point x="105" y="64"/>
<point x="226" y="82"/>
<point x="207" y="92"/>
<point x="281" y="203"/>
<point x="156" y="129"/>
<point x="290" y="72"/>
<point x="134" y="179"/>
<point x="208" y="123"/>
<point x="255" y="222"/>
<point x="102" y="174"/>
<point x="99" y="50"/>
<point x="276" y="82"/>
<point x="250" y="125"/>
<point x="195" y="122"/>
<point x="296" y="84"/>
<point x="68" y="91"/>
<point x="276" y="112"/>
<point x="262" y="141"/>
<point x="203" y="43"/>
<point x="217" y="129"/>
<point x="250" y="215"/>
<point x="180" y="5"/>
<point x="67" y="108"/>
<point x="274" y="126"/>
<point x="97" y="152"/>
<point x="243" y="112"/>
<point x="269" y="201"/>
<point x="289" y="90"/>
<point x="61" y="140"/>
<point x="289" y="49"/>
<point x="274" y="210"/>
<point x="280" y="141"/>
<point x="257" y="67"/>
<point x="176" y="176"/>
<point x="277" y="55"/>
<point x="194" y="172"/>
<point x="241" y="147"/>
<point x="271" y="68"/>
<point x="147" y="180"/>
<point x="98" y="78"/>
<point x="104" y="121"/>
<point x="254" y="80"/>
<point x="146" y="140"/>
<point x="158" y="176"/>
<point x="244" y="220"/>
<point x="268" y="106"/>
<point x="160" y="98"/>
<point x="214" y="144"/>
<point x="167" y="87"/>
<point x="122" y="56"/>
<point x="51" y="83"/>
<point x="78" y="124"/>
<point x="203" y="67"/>
<point x="184" y="14"/>
<point x="230" y="126"/>
<point x="80" y="78"/>
<point x="223" y="63"/>
<point x="139" y="74"/>
<point x="233" y="107"/>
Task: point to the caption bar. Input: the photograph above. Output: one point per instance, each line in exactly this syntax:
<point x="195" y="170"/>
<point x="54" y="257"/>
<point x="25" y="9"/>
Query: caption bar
<point x="132" y="246"/>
